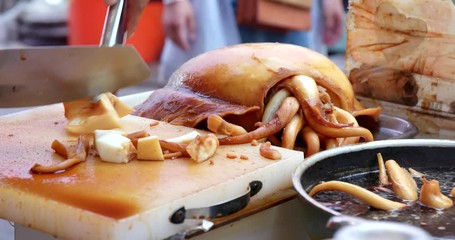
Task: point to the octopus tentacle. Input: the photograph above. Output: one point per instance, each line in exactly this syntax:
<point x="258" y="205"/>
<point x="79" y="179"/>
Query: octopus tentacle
<point x="383" y="179"/>
<point x="369" y="197"/>
<point x="343" y="116"/>
<point x="56" y="167"/>
<point x="214" y="84"/>
<point x="372" y="112"/>
<point x="350" y="131"/>
<point x="403" y="184"/>
<point x="287" y="110"/>
<point x="273" y="105"/>
<point x="80" y="155"/>
<point x="306" y="91"/>
<point x="330" y="143"/>
<point x="174" y="147"/>
<point x="217" y="124"/>
<point x="291" y="131"/>
<point x="312" y="141"/>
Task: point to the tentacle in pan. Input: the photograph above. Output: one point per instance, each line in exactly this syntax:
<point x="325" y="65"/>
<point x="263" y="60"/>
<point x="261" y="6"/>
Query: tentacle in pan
<point x="369" y="197"/>
<point x="403" y="184"/>
<point x="431" y="196"/>
<point x="383" y="179"/>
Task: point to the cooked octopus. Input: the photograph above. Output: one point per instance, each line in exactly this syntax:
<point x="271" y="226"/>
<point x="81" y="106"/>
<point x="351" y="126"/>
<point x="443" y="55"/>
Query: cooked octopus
<point x="287" y="94"/>
<point x="403" y="185"/>
<point x="431" y="196"/>
<point x="369" y="197"/>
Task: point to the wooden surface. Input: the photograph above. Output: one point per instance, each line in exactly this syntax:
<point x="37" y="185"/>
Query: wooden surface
<point x="403" y="52"/>
<point x="99" y="200"/>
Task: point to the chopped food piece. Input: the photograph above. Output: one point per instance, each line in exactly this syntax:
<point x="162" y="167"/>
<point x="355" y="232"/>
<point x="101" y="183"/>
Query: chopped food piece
<point x="148" y="148"/>
<point x="243" y="157"/>
<point x="174" y="147"/>
<point x="254" y="142"/>
<point x="82" y="147"/>
<point x="120" y="107"/>
<point x="78" y="156"/>
<point x="114" y="147"/>
<point x="231" y="155"/>
<point x="85" y="116"/>
<point x="60" y="148"/>
<point x="217" y="124"/>
<point x="135" y="136"/>
<point x="266" y="151"/>
<point x="101" y="132"/>
<point x="184" y="139"/>
<point x="203" y="147"/>
<point x="64" y="165"/>
<point x="431" y="196"/>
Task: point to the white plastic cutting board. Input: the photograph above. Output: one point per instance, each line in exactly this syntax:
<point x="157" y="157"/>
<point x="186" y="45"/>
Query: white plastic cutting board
<point x="97" y="200"/>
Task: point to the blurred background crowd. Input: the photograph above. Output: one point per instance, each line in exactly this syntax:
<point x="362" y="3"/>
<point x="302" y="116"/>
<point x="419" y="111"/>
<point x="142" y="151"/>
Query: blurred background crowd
<point x="172" y="31"/>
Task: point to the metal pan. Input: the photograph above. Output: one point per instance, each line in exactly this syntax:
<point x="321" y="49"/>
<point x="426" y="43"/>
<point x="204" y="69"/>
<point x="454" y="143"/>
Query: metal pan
<point x="389" y="127"/>
<point x="358" y="164"/>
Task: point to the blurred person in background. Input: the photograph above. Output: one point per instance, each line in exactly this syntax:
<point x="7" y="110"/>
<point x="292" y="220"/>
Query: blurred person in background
<point x="193" y="27"/>
<point x="327" y="20"/>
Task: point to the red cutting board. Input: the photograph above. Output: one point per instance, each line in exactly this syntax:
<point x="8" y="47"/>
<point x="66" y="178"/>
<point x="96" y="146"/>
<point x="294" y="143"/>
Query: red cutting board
<point x="98" y="200"/>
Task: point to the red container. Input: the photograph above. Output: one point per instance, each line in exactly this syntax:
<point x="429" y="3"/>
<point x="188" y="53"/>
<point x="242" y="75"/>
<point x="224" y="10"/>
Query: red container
<point x="86" y="20"/>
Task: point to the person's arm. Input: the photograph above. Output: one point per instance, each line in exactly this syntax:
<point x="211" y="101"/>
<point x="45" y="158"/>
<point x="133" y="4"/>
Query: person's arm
<point x="333" y="12"/>
<point x="179" y="22"/>
<point x="135" y="8"/>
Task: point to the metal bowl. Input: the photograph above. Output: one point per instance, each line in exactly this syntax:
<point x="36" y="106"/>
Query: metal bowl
<point x="361" y="161"/>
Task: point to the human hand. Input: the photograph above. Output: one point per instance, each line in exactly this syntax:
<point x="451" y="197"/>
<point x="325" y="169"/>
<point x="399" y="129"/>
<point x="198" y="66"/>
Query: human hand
<point x="179" y="23"/>
<point x="333" y="18"/>
<point x="134" y="11"/>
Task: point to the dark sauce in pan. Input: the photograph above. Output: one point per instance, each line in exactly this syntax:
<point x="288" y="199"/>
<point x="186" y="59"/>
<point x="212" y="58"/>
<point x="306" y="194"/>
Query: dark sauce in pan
<point x="439" y="223"/>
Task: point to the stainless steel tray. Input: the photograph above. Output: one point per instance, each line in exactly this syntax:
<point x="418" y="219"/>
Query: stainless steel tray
<point x="389" y="127"/>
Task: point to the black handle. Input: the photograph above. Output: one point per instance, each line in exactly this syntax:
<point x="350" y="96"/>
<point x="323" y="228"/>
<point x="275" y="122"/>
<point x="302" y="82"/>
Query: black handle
<point x="218" y="210"/>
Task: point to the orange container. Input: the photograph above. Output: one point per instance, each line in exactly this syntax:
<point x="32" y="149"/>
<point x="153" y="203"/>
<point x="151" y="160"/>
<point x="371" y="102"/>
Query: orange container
<point x="86" y="20"/>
